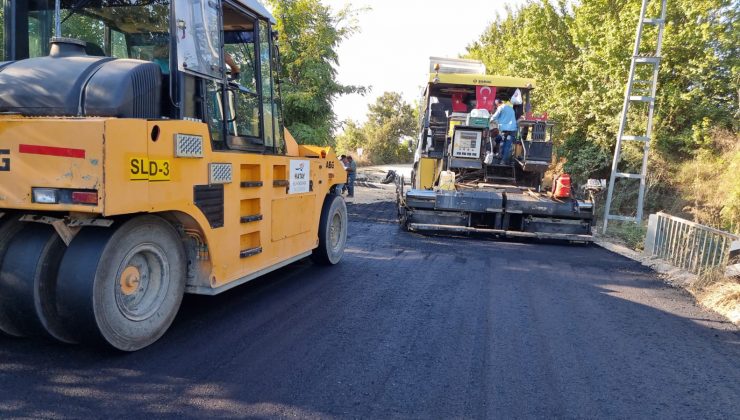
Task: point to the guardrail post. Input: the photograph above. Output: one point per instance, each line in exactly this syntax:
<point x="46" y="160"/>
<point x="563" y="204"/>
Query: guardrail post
<point x="733" y="265"/>
<point x="652" y="231"/>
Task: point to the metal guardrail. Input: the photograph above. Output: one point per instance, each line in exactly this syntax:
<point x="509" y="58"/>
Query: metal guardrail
<point x="688" y="245"/>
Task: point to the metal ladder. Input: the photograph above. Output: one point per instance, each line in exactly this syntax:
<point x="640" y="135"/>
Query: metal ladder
<point x="629" y="98"/>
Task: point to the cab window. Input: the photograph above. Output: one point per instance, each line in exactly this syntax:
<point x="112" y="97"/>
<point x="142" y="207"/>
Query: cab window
<point x="40" y="23"/>
<point x="266" y="78"/>
<point x="247" y="100"/>
<point x="118" y="44"/>
<point x="240" y="57"/>
<point x="242" y="107"/>
<point x="278" y="102"/>
<point x="198" y="37"/>
<point x="109" y="27"/>
<point x="233" y="103"/>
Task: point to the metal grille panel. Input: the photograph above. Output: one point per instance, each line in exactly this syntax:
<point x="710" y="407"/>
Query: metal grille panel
<point x="188" y="146"/>
<point x="220" y="173"/>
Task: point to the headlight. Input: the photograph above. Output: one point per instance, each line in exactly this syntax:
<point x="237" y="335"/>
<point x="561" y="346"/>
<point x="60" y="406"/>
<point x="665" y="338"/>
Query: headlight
<point x="45" y="195"/>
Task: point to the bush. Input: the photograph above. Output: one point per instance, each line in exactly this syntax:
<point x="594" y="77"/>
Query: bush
<point x="631" y="234"/>
<point x="710" y="182"/>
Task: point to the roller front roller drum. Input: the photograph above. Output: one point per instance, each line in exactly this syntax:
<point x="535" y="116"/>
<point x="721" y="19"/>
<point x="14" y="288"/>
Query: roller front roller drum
<point x="9" y="228"/>
<point x="28" y="283"/>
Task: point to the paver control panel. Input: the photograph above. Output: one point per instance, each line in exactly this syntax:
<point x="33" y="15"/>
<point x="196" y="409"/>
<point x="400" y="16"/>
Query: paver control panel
<point x="467" y="144"/>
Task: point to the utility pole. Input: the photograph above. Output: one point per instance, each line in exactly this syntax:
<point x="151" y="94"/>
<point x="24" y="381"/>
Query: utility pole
<point x="630" y="98"/>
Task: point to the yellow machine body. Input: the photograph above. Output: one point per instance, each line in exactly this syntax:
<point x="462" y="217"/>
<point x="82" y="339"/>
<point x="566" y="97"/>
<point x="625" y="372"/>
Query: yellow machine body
<point x="427" y="173"/>
<point x="463" y="182"/>
<point x="139" y="164"/>
<point x="428" y="164"/>
<point x="133" y="167"/>
<point x="480" y="80"/>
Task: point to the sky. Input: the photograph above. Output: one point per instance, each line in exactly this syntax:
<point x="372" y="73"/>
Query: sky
<point x="391" y="52"/>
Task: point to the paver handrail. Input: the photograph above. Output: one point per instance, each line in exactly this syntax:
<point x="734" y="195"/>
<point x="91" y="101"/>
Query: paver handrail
<point x="686" y="244"/>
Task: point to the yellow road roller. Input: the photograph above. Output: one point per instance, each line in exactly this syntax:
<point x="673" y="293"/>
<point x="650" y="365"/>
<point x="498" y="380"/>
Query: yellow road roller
<point x="143" y="155"/>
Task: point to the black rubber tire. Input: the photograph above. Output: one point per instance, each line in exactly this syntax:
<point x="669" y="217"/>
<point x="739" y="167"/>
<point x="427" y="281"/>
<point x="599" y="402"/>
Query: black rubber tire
<point x="28" y="283"/>
<point x="90" y="294"/>
<point x="333" y="212"/>
<point x="9" y="227"/>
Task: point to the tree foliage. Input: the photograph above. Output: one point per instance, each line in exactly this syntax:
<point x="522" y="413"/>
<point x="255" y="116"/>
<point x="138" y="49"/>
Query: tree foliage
<point x="579" y="52"/>
<point x="353" y="137"/>
<point x="309" y="34"/>
<point x="709" y="182"/>
<point x="384" y="138"/>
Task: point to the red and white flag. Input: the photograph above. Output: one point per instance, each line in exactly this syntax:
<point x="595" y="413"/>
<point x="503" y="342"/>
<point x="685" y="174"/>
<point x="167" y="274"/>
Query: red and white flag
<point x="485" y="96"/>
<point x="458" y="103"/>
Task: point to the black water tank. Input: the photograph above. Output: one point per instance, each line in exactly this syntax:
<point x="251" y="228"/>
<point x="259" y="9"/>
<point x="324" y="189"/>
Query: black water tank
<point x="124" y="89"/>
<point x="70" y="83"/>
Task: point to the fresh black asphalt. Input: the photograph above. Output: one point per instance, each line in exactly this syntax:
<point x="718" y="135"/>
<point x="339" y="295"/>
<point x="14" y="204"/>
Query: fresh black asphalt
<point x="408" y="326"/>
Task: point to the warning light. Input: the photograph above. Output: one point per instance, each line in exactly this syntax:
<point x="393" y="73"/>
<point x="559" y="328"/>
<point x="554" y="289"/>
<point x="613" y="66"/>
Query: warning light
<point x="84" y="197"/>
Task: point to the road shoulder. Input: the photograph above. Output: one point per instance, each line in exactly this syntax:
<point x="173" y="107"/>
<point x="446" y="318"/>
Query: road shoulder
<point x="716" y="293"/>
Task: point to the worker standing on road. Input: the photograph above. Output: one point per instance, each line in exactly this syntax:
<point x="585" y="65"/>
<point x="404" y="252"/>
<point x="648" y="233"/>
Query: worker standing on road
<point x="342" y="187"/>
<point x="505" y="117"/>
<point x="351" y="175"/>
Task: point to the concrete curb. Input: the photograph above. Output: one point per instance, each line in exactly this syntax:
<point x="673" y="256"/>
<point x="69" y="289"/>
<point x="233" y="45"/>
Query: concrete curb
<point x="670" y="274"/>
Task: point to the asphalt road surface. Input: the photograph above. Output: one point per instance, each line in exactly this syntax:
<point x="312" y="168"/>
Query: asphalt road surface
<point x="408" y="326"/>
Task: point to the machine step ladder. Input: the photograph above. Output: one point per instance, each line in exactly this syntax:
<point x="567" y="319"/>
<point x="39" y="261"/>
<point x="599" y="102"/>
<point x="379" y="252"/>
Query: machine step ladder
<point x="501" y="173"/>
<point x="630" y="98"/>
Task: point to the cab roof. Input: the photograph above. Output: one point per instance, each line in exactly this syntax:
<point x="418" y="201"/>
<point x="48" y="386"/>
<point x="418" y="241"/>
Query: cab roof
<point x="481" y="80"/>
<point x="257" y="7"/>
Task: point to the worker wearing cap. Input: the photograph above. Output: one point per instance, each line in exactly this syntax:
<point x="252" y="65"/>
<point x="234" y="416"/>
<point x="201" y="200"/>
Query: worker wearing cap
<point x="505" y="117"/>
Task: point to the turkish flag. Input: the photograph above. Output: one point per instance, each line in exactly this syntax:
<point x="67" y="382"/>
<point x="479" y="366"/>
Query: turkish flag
<point x="485" y="96"/>
<point x="458" y="103"/>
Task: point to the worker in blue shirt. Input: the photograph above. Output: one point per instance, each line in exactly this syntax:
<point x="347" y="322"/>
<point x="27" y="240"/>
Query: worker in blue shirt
<point x="506" y="120"/>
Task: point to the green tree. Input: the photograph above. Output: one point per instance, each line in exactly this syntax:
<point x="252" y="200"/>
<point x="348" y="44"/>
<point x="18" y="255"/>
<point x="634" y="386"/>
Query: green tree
<point x="386" y="135"/>
<point x="579" y="52"/>
<point x="391" y="121"/>
<point x="580" y="56"/>
<point x="309" y="34"/>
<point x="352" y="138"/>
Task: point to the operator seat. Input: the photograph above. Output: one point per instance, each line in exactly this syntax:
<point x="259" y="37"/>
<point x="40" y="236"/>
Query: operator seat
<point x="438" y="128"/>
<point x="438" y="113"/>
